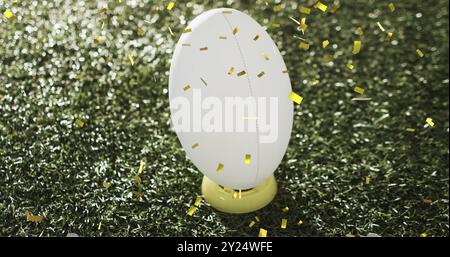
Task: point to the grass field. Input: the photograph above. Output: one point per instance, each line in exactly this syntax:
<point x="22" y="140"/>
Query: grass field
<point x="351" y="166"/>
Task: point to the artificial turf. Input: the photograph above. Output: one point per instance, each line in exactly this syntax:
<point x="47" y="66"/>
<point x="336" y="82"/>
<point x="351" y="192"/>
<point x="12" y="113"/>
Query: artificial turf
<point x="54" y="68"/>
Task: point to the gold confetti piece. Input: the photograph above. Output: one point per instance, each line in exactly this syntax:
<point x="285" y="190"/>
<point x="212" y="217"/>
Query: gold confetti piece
<point x="275" y="25"/>
<point x="356" y="47"/>
<point x="367" y="181"/>
<point x="350" y="66"/>
<point x="304" y="10"/>
<point x="130" y="57"/>
<point x="8" y="15"/>
<point x="328" y="58"/>
<point x="349" y="235"/>
<point x="106" y="184"/>
<point x="235" y="30"/>
<point x="392" y="7"/>
<point x="187" y="31"/>
<point x="140" y="32"/>
<point x="198" y="201"/>
<point x="170" y="31"/>
<point x="204" y="49"/>
<point x="251" y="224"/>
<point x="186" y="88"/>
<point x="359" y="31"/>
<point x="321" y="6"/>
<point x="314" y="82"/>
<point x="303" y="25"/>
<point x="99" y="39"/>
<point x="227" y="12"/>
<point x="261" y="74"/>
<point x="248" y="158"/>
<point x="230" y="71"/>
<point x="262" y="232"/>
<point x="296" y="98"/>
<point x="204" y="82"/>
<point x="223" y="37"/>
<point x="191" y="210"/>
<point x="137" y="194"/>
<point x="257" y="218"/>
<point x="300" y="222"/>
<point x="430" y="122"/>
<point x="256" y="37"/>
<point x="219" y="168"/>
<point x="186" y="44"/>
<point x="334" y="8"/>
<point x="304" y="46"/>
<point x="359" y="90"/>
<point x="265" y="56"/>
<point x="241" y="73"/>
<point x="283" y="223"/>
<point x="137" y="179"/>
<point x="381" y="26"/>
<point x="34" y="218"/>
<point x="141" y="167"/>
<point x="325" y="43"/>
<point x="170" y="6"/>
<point x="389" y="36"/>
<point x="420" y="53"/>
<point x="410" y="130"/>
<point x="424" y="235"/>
<point x="79" y="122"/>
<point x="277" y="8"/>
<point x="194" y="145"/>
<point x="427" y="201"/>
<point x="285" y="209"/>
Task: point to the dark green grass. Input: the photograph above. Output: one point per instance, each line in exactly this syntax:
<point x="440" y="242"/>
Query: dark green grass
<point x="50" y="74"/>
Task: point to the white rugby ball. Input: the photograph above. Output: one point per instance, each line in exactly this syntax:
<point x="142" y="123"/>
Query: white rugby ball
<point x="224" y="53"/>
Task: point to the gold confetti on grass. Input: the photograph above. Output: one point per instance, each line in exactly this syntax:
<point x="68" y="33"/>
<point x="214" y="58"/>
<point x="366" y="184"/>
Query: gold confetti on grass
<point x="389" y="36"/>
<point x="235" y="30"/>
<point x="392" y="7"/>
<point x="9" y="15"/>
<point x="321" y="6"/>
<point x="359" y="31"/>
<point x="137" y="194"/>
<point x="275" y="25"/>
<point x="285" y="209"/>
<point x="300" y="222"/>
<point x="334" y="8"/>
<point x="99" y="39"/>
<point x="427" y="201"/>
<point x="356" y="47"/>
<point x="241" y="73"/>
<point x="256" y="37"/>
<point x="261" y="74"/>
<point x="303" y="45"/>
<point x="34" y="218"/>
<point x="325" y="43"/>
<point x="251" y="224"/>
<point x="430" y="122"/>
<point x="295" y="98"/>
<point x="185" y="31"/>
<point x="410" y="130"/>
<point x="420" y="53"/>
<point x="204" y="49"/>
<point x="79" y="122"/>
<point x="230" y="71"/>
<point x="277" y="8"/>
<point x="350" y="66"/>
<point x="367" y="180"/>
<point x="170" y="6"/>
<point x="283" y="223"/>
<point x="191" y="210"/>
<point x="304" y="10"/>
<point x="423" y="235"/>
<point x="262" y="232"/>
<point x="257" y="219"/>
<point x="248" y="159"/>
<point x="314" y="82"/>
<point x="186" y="88"/>
<point x="194" y="145"/>
<point x="349" y="235"/>
<point x="198" y="201"/>
<point x="359" y="90"/>
<point x="265" y="56"/>
<point x="381" y="26"/>
<point x="219" y="168"/>
<point x="137" y="179"/>
<point x="131" y="59"/>
<point x="106" y="184"/>
<point x="141" y="167"/>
